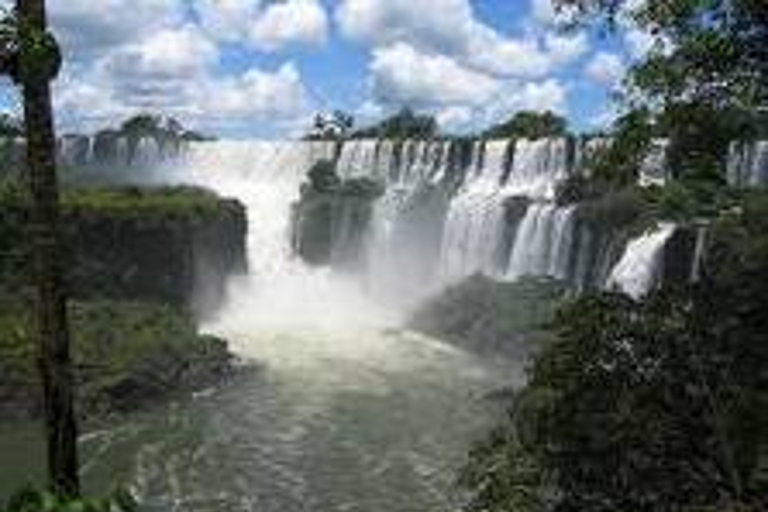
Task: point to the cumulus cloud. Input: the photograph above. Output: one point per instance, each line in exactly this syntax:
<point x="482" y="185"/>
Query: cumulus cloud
<point x="402" y="74"/>
<point x="454" y="30"/>
<point x="87" y="31"/>
<point x="295" y="21"/>
<point x="606" y="69"/>
<point x="460" y="97"/>
<point x="258" y="95"/>
<point x="128" y="56"/>
<point x="264" y="26"/>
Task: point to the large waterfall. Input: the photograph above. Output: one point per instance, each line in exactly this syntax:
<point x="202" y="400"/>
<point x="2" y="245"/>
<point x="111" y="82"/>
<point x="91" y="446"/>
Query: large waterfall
<point x="450" y="209"/>
<point x="280" y="290"/>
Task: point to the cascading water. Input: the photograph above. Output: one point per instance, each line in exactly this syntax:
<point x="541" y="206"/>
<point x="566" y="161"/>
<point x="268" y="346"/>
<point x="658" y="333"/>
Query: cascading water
<point x="543" y="244"/>
<point x="637" y="270"/>
<point x="346" y="414"/>
<point x="474" y="226"/>
<point x="280" y="291"/>
<point x="748" y="164"/>
<point x="537" y="168"/>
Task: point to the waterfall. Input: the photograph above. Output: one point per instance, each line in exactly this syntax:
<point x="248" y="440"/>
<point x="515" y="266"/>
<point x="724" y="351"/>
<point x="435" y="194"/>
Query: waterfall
<point x="474" y="226"/>
<point x="450" y="209"/>
<point x="638" y="269"/>
<point x="654" y="169"/>
<point x="538" y="165"/>
<point x="543" y="245"/>
<point x="748" y="164"/>
<point x="146" y="153"/>
<point x="407" y="221"/>
<point x="280" y="291"/>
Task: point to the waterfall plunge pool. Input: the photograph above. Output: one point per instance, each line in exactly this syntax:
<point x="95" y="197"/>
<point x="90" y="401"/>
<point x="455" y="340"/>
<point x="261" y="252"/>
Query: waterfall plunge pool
<point x="354" y="421"/>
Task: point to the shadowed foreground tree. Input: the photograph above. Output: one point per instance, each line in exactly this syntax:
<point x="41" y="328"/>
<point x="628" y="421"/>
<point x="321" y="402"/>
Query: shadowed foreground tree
<point x="32" y="58"/>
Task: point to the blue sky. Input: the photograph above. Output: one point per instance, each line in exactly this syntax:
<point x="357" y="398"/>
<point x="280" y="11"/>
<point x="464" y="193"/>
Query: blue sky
<point x="262" y="68"/>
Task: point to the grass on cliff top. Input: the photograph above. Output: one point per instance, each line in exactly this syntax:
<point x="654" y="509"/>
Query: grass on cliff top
<point x="130" y="201"/>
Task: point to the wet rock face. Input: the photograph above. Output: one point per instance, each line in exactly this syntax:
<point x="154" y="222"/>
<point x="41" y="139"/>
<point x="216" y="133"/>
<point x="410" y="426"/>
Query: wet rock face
<point x="184" y="260"/>
<point x="170" y="260"/>
<point x="332" y="217"/>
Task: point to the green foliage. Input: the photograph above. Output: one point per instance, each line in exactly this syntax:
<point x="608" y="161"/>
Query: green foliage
<point x="655" y="405"/>
<point x="716" y="50"/>
<point x="491" y="317"/>
<point x="175" y="202"/>
<point x="618" y="165"/>
<point x="700" y="136"/>
<point x="530" y="125"/>
<point x="30" y="500"/>
<point x="186" y="203"/>
<point x="403" y="125"/>
<point x="322" y="177"/>
<point x="125" y="353"/>
<point x="622" y="209"/>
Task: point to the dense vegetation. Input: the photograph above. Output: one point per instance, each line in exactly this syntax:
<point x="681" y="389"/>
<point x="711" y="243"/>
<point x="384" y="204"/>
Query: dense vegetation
<point x="31" y="500"/>
<point x="653" y="405"/>
<point x="126" y="354"/>
<point x="128" y="252"/>
<point x="657" y="404"/>
<point x="405" y="124"/>
<point x="529" y="125"/>
<point x="133" y="243"/>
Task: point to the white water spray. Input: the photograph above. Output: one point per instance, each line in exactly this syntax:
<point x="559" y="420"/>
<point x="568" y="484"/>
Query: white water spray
<point x="280" y="293"/>
<point x="637" y="270"/>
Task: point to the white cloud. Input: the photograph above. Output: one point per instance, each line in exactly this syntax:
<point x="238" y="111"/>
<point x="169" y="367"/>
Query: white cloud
<point x="226" y="20"/>
<point x="450" y="27"/>
<point x="436" y="25"/>
<point x="639" y="42"/>
<point x="549" y="95"/>
<point x="128" y="56"/>
<point x="258" y="95"/>
<point x="295" y="21"/>
<point x="403" y="75"/>
<point x="264" y="26"/>
<point x="606" y="69"/>
<point x="87" y="28"/>
<point x="456" y="118"/>
<point x="169" y="53"/>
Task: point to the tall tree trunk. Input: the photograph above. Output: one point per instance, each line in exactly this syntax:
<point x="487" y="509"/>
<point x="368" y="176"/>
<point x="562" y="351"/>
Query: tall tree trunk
<point x="54" y="354"/>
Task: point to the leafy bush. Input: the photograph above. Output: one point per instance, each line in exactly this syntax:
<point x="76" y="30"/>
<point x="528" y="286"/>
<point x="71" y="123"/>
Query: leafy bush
<point x="405" y="124"/>
<point x="530" y="125"/>
<point x="654" y="405"/>
<point x="125" y="354"/>
<point x="30" y="500"/>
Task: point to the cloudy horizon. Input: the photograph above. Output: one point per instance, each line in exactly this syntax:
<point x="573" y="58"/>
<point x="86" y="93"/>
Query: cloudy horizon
<point x="259" y="68"/>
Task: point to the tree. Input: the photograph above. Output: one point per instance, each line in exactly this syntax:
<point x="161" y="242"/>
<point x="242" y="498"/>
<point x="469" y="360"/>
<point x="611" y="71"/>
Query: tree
<point x="530" y="125"/>
<point x="654" y="405"/>
<point x="35" y="60"/>
<point x="714" y="51"/>
<point x="336" y="125"/>
<point x="706" y="76"/>
<point x="405" y="124"/>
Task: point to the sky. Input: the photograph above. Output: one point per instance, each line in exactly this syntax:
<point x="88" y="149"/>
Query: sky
<point x="263" y="68"/>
